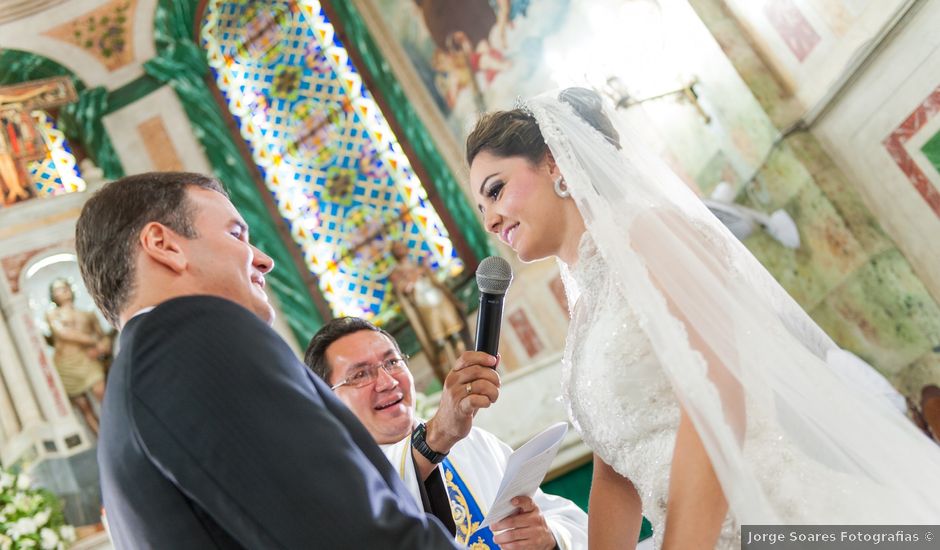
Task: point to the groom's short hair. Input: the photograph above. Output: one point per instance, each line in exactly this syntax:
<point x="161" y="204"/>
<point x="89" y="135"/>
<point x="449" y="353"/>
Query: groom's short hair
<point x="111" y="221"/>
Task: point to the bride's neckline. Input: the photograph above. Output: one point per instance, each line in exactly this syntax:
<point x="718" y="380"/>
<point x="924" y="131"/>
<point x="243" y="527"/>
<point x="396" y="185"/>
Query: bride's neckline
<point x="583" y="273"/>
<point x="587" y="250"/>
<point x="589" y="258"/>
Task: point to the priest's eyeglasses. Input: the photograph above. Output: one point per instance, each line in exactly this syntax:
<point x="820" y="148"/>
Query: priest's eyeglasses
<point x="364" y="375"/>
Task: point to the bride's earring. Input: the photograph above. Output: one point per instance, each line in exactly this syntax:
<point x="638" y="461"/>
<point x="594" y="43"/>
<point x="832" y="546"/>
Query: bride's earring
<point x="561" y="187"/>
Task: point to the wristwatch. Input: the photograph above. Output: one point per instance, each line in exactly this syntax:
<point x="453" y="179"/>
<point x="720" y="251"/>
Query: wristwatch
<point x="420" y="444"/>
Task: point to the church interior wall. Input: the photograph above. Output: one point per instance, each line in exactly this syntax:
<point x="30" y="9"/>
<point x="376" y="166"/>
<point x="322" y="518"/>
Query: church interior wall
<point x="41" y="431"/>
<point x="156" y="135"/>
<point x="872" y="281"/>
<point x="884" y="132"/>
<point x="810" y="45"/>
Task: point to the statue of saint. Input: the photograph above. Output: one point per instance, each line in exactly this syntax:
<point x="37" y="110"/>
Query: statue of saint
<point x="82" y="349"/>
<point x="432" y="309"/>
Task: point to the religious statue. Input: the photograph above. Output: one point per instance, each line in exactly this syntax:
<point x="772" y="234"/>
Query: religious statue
<point x="21" y="140"/>
<point x="82" y="350"/>
<point x="433" y="311"/>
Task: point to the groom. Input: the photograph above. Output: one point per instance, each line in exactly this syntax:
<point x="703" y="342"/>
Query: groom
<point x="213" y="434"/>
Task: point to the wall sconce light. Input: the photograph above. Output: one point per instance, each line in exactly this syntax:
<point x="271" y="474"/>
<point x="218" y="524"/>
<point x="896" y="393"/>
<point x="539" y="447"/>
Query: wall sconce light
<point x="742" y="220"/>
<point x="617" y="91"/>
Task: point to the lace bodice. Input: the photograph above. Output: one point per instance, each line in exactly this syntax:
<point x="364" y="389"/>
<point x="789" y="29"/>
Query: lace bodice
<point x="618" y="397"/>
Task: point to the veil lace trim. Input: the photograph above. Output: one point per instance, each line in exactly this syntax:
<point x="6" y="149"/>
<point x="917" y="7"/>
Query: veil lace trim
<point x="746" y="363"/>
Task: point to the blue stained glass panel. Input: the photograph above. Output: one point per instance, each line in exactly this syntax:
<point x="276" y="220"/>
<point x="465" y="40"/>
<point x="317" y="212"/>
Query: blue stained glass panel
<point x="335" y="169"/>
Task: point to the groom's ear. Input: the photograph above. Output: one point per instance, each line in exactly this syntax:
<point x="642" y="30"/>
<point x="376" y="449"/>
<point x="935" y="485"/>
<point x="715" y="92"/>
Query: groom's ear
<point x="163" y="246"/>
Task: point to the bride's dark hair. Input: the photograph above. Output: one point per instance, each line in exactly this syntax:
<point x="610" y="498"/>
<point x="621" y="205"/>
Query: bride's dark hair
<point x="589" y="106"/>
<point x="515" y="133"/>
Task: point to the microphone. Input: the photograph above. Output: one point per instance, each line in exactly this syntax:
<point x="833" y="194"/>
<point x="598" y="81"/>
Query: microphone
<point x="493" y="278"/>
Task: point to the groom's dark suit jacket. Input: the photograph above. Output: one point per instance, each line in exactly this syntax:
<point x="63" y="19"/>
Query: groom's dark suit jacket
<point x="214" y="435"/>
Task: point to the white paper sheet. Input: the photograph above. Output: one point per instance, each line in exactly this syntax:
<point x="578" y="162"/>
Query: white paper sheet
<point x="525" y="471"/>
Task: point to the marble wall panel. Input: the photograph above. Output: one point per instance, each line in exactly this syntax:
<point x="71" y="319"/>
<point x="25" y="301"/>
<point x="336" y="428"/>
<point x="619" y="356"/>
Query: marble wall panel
<point x="883" y="313"/>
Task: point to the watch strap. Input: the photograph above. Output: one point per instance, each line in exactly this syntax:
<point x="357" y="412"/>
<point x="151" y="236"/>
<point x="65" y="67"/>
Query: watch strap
<point x="420" y="444"/>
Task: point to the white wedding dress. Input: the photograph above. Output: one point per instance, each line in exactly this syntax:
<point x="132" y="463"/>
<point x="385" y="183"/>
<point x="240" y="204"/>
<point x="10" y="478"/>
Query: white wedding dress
<point x="623" y="405"/>
<point x="617" y="395"/>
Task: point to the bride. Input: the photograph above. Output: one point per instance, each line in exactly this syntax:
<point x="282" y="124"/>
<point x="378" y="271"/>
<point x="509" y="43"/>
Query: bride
<point x="700" y="385"/>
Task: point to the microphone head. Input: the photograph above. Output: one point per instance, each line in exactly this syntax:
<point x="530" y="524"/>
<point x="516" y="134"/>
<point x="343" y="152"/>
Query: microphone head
<point x="494" y="275"/>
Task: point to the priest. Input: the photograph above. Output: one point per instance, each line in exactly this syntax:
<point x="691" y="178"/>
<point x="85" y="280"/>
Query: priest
<point x="451" y="468"/>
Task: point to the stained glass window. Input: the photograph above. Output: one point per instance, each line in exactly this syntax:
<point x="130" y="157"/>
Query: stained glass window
<point x="57" y="173"/>
<point x="35" y="157"/>
<point x="335" y="169"/>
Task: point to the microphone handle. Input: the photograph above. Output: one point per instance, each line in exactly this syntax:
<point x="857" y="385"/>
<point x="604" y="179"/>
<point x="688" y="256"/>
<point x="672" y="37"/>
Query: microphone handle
<point x="489" y="318"/>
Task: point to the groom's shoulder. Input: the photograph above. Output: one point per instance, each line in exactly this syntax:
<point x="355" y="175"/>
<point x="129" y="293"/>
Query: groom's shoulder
<point x="208" y="322"/>
<point x="201" y="304"/>
<point x="202" y="313"/>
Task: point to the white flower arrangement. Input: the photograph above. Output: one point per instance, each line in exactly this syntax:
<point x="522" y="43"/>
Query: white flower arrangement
<point x="30" y="518"/>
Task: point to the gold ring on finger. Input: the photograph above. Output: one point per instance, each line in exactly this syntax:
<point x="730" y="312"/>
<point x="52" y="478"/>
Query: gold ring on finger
<point x="469" y="388"/>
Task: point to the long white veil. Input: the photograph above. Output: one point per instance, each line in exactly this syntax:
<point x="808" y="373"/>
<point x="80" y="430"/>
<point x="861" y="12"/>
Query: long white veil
<point x="790" y="440"/>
